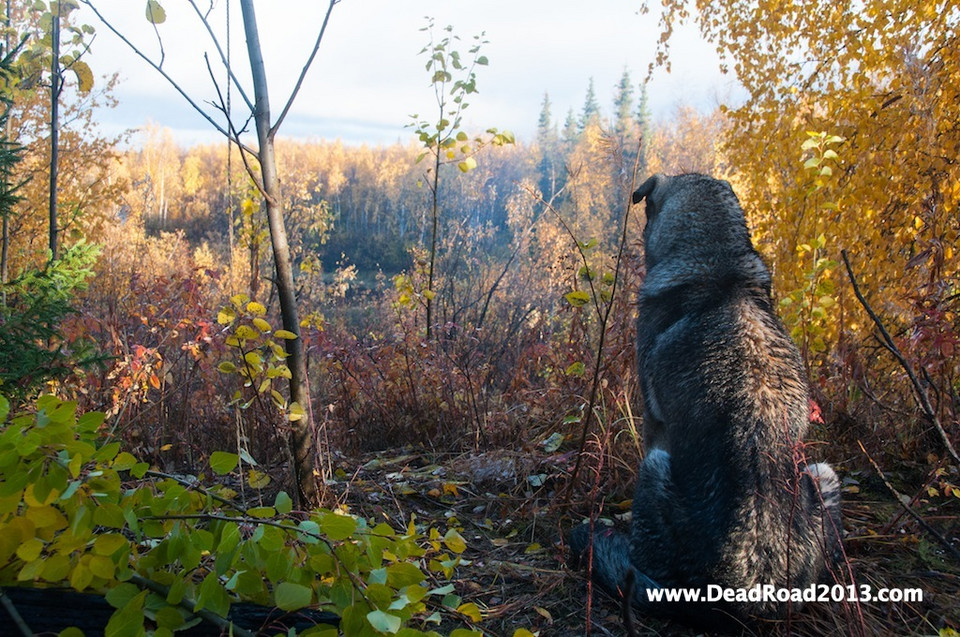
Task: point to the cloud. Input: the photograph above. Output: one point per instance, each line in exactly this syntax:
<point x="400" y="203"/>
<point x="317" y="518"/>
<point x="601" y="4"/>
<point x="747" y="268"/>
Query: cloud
<point x="368" y="77"/>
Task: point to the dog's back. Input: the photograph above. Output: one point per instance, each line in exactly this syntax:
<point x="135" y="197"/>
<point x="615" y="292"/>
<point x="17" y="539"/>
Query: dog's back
<point x="723" y="496"/>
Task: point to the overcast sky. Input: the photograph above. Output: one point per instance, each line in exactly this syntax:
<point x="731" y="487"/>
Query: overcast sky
<point x="368" y="77"/>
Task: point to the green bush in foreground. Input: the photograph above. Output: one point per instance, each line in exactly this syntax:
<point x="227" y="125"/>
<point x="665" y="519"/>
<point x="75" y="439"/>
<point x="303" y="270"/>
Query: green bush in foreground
<point x="76" y="511"/>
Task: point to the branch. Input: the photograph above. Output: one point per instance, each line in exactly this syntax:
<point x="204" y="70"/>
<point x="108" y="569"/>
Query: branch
<point x="223" y="57"/>
<point x="234" y="135"/>
<point x="919" y="393"/>
<point x="303" y="72"/>
<point x="158" y="69"/>
<point x="906" y="507"/>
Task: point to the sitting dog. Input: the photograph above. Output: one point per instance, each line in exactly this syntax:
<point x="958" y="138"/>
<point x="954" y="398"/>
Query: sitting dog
<point x="723" y="498"/>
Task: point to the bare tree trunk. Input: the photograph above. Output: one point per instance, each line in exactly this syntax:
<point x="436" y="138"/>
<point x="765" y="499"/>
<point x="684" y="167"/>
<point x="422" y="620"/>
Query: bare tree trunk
<point x="301" y="442"/>
<point x="54" y="128"/>
<point x="5" y="238"/>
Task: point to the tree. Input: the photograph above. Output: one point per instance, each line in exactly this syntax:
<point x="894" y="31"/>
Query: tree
<point x="885" y="77"/>
<point x="848" y="140"/>
<point x="549" y="166"/>
<point x="443" y="139"/>
<point x="590" y="110"/>
<point x="85" y="157"/>
<point x="261" y="165"/>
<point x="644" y="124"/>
<point x="570" y="131"/>
<point x="623" y="106"/>
<point x="52" y="20"/>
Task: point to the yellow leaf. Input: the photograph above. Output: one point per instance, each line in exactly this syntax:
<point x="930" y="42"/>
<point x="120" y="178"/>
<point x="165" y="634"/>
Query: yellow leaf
<point x="84" y="75"/>
<point x="257" y="479"/>
<point x="245" y="332"/>
<point x="30" y="550"/>
<point x="226" y="316"/>
<point x="471" y="611"/>
<point x="296" y="412"/>
<point x="454" y="541"/>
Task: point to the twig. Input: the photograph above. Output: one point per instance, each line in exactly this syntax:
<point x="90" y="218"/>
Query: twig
<point x="916" y="516"/>
<point x="303" y="72"/>
<point x="223" y="58"/>
<point x="921" y="396"/>
<point x="604" y="318"/>
<point x="158" y="68"/>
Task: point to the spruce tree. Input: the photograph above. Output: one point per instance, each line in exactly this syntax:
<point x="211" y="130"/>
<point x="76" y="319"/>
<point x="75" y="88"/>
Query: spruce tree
<point x="591" y="108"/>
<point x="644" y="121"/>
<point x="548" y="167"/>
<point x="623" y="107"/>
<point x="569" y="134"/>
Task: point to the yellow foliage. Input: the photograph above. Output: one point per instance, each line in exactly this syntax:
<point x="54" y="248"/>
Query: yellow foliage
<point x="886" y="77"/>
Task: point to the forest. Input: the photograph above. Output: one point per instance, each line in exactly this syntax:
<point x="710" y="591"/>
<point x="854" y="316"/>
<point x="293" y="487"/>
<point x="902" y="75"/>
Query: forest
<point x="373" y="387"/>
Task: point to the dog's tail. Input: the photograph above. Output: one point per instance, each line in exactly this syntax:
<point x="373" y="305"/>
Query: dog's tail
<point x="823" y="491"/>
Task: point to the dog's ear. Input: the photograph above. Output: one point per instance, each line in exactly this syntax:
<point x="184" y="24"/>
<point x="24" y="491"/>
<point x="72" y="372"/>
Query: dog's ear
<point x="648" y="187"/>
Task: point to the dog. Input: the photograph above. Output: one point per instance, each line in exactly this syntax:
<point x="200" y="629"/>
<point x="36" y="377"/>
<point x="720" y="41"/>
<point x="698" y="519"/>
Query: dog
<point x="724" y="499"/>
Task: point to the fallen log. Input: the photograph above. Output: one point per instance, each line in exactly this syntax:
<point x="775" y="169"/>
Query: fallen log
<point x="44" y="611"/>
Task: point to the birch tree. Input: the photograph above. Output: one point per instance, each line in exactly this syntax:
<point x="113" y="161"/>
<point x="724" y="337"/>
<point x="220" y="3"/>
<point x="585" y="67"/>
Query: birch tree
<point x="260" y="163"/>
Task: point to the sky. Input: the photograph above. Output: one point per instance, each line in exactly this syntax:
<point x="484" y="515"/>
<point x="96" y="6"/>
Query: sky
<point x="368" y="77"/>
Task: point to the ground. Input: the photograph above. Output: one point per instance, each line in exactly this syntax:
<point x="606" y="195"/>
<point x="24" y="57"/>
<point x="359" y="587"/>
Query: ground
<point x="511" y="510"/>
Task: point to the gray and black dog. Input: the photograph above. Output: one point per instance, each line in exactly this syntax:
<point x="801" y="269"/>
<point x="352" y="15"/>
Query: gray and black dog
<point x="723" y="496"/>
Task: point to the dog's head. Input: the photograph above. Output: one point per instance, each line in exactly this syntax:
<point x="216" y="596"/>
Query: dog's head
<point x="691" y="216"/>
<point x="696" y="233"/>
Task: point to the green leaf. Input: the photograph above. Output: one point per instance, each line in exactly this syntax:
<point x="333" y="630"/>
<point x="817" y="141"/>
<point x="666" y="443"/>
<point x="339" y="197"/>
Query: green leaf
<point x="128" y="621"/>
<point x="223" y="462"/>
<point x="289" y="596"/>
<point x="4" y="409"/>
<point x="213" y="596"/>
<point x="124" y="462"/>
<point x="576" y="369"/>
<point x="283" y="503"/>
<point x="337" y="527"/>
<point x="109" y="544"/>
<point x="155" y="13"/>
<point x="384" y="622"/>
<point x="403" y="574"/>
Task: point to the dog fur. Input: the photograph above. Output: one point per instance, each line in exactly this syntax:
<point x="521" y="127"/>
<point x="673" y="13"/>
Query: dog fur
<point x="723" y="495"/>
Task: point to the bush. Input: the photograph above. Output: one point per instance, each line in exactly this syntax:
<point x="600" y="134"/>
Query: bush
<point x="33" y="350"/>
<point x="76" y="511"/>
